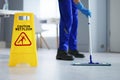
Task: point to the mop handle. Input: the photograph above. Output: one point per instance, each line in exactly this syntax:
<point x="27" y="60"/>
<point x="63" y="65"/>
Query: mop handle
<point x="90" y="40"/>
<point x="90" y="43"/>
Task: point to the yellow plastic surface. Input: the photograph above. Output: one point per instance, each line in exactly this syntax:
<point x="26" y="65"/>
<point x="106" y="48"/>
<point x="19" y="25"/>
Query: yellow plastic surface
<point x="23" y="46"/>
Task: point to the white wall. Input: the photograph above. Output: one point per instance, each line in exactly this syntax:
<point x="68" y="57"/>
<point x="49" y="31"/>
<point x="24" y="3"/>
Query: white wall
<point x="113" y="25"/>
<point x="83" y="34"/>
<point x="32" y="6"/>
<point x="98" y="24"/>
<point x="44" y="9"/>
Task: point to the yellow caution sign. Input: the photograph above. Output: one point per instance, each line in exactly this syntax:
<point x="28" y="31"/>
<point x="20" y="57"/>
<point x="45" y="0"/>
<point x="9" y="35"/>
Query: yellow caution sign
<point x="23" y="45"/>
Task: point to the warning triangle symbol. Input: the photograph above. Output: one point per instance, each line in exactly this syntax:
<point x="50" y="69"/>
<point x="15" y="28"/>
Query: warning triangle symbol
<point x="22" y="40"/>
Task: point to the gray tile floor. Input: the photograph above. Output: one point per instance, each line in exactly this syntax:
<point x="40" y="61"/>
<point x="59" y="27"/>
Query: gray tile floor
<point x="51" y="69"/>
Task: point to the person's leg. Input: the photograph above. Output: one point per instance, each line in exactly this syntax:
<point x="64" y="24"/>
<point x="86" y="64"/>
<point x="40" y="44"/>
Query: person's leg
<point x="66" y="18"/>
<point x="73" y="35"/>
<point x="65" y="7"/>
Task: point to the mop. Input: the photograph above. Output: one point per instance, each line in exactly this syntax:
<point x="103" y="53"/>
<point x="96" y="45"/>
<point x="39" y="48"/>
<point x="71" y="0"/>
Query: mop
<point x="91" y="63"/>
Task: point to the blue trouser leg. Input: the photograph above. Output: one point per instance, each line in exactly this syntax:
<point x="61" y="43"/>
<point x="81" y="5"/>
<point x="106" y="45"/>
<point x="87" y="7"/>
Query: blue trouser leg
<point x="65" y="7"/>
<point x="67" y="25"/>
<point x="73" y="33"/>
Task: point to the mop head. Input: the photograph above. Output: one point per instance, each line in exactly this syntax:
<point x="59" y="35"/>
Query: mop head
<point x="91" y="64"/>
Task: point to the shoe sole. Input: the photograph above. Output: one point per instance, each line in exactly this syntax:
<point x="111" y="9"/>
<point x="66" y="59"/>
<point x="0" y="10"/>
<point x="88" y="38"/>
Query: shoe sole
<point x="65" y="59"/>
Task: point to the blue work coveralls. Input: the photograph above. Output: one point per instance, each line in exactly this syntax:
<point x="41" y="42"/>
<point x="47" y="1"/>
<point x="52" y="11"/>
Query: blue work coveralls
<point x="68" y="25"/>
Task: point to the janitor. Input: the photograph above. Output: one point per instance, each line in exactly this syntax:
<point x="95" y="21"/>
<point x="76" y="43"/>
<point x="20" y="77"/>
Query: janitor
<point x="68" y="28"/>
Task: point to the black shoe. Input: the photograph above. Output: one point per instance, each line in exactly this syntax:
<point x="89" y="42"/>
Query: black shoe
<point x="76" y="54"/>
<point x="63" y="55"/>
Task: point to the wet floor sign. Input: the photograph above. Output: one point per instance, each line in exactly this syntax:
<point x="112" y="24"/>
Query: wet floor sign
<point x="23" y="45"/>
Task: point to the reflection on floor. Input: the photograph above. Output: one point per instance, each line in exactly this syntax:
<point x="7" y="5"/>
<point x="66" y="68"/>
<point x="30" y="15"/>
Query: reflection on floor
<point x="51" y="69"/>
